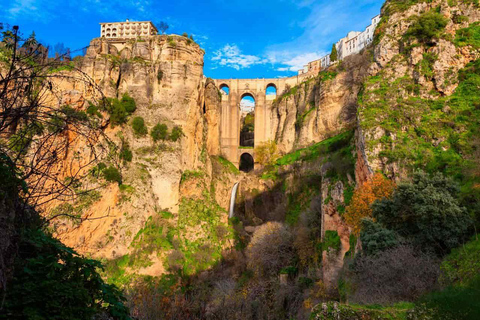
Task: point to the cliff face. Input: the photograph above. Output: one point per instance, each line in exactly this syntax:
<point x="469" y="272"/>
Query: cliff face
<point x="164" y="75"/>
<point x="319" y="107"/>
<point x="411" y="93"/>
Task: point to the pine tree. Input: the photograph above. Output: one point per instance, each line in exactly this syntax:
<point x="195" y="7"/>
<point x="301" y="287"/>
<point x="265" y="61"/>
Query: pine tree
<point x="333" y="55"/>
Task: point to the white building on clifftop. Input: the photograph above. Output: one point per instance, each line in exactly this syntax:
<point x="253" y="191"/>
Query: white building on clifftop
<point x="127" y="29"/>
<point x="354" y="42"/>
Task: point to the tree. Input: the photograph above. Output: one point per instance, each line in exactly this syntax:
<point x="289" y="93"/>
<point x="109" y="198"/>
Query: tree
<point x="363" y="197"/>
<point x="162" y="26"/>
<point x="270" y="249"/>
<point x="35" y="123"/>
<point x="426" y="212"/>
<point x="375" y="238"/>
<point x="333" y="55"/>
<point x="267" y="153"/>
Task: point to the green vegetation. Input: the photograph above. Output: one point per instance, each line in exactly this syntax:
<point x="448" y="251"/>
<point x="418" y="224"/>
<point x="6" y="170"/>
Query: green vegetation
<point x="375" y="238"/>
<point x="398" y="311"/>
<point x="429" y="25"/>
<point x="176" y="134"/>
<point x="331" y="241"/>
<point x="227" y="164"/>
<point x="139" y="127"/>
<point x="333" y="54"/>
<point x="112" y="174"/>
<point x="426" y="212"/>
<point x="414" y="125"/>
<point x="119" y="110"/>
<point x="60" y="284"/>
<point x="125" y="152"/>
<point x="187" y="175"/>
<point x="469" y="36"/>
<point x="159" y="132"/>
<point x="462" y="265"/>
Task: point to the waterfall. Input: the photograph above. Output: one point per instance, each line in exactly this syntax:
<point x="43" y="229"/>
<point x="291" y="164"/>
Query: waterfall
<point x="232" y="199"/>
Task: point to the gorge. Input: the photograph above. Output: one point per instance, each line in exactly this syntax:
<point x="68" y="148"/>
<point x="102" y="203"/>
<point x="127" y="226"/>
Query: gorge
<point x="351" y="209"/>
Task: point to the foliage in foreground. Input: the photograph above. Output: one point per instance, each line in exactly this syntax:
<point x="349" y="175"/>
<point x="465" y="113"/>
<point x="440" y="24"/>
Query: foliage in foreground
<point x="51" y="281"/>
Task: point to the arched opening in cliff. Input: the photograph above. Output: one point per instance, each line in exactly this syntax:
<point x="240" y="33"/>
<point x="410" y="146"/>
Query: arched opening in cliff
<point x="247" y="120"/>
<point x="224" y="89"/>
<point x="246" y="162"/>
<point x="271" y="90"/>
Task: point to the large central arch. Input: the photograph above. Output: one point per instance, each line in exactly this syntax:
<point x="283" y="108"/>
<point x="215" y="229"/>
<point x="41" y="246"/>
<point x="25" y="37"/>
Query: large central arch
<point x="264" y="92"/>
<point x="247" y="121"/>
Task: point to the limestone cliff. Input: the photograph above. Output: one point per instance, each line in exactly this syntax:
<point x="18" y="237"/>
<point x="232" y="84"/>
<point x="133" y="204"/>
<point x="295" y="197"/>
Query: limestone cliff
<point x="406" y="102"/>
<point x="164" y="75"/>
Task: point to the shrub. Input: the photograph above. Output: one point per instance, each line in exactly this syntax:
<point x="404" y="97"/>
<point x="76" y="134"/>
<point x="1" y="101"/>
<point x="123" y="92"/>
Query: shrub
<point x="125" y="152"/>
<point x="138" y="126"/>
<point x="128" y="103"/>
<point x="363" y="197"/>
<point x="111" y="174"/>
<point x="159" y="132"/>
<point x="427" y="26"/>
<point x="331" y="241"/>
<point x="426" y="212"/>
<point x="397" y="274"/>
<point x="118" y="114"/>
<point x="51" y="281"/>
<point x="462" y="265"/>
<point x="376" y="238"/>
<point x="461" y="302"/>
<point x="119" y="110"/>
<point x="177" y="132"/>
<point x="270" y="249"/>
<point x="267" y="153"/>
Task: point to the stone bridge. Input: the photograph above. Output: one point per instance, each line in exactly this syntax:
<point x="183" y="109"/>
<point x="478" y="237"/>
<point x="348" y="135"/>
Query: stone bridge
<point x="230" y="116"/>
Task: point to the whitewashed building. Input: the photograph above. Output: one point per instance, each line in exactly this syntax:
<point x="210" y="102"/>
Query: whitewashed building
<point x="354" y="42"/>
<point x="127" y="29"/>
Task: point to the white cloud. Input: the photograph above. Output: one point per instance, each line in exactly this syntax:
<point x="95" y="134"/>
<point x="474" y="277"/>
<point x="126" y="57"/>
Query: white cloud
<point x="231" y="56"/>
<point x="292" y="60"/>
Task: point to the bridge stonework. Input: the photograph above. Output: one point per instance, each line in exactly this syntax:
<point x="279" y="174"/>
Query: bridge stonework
<point x="230" y="114"/>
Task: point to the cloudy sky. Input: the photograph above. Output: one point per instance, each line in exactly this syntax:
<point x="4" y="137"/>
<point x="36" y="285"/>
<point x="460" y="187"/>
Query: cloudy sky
<point x="242" y="38"/>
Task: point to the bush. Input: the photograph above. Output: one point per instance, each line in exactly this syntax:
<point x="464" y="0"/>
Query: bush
<point x="398" y="274"/>
<point x="331" y="241"/>
<point x="138" y="126"/>
<point x="118" y="114"/>
<point x="270" y="249"/>
<point x="177" y="132"/>
<point x="119" y="110"/>
<point x="51" y="281"/>
<point x="125" y="152"/>
<point x="111" y="174"/>
<point x="159" y="132"/>
<point x="267" y="153"/>
<point x="462" y="265"/>
<point x="128" y="103"/>
<point x="461" y="302"/>
<point x="426" y="212"/>
<point x="427" y="26"/>
<point x="376" y="238"/>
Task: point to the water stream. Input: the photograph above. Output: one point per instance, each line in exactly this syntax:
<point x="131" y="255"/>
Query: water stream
<point x="232" y="200"/>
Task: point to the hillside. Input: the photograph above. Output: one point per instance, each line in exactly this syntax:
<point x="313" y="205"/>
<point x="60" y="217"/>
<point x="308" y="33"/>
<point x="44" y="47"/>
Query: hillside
<point x="363" y="205"/>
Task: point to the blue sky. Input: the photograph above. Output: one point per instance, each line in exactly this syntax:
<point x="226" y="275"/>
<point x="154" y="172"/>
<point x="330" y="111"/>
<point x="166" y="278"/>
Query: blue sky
<point x="242" y="38"/>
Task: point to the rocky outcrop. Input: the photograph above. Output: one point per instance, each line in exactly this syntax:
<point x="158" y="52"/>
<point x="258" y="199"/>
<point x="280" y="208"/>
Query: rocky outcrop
<point x="319" y="107"/>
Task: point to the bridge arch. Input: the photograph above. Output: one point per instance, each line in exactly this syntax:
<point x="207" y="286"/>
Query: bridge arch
<point x="246" y="162"/>
<point x="224" y="89"/>
<point x="271" y="89"/>
<point x="247" y="120"/>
